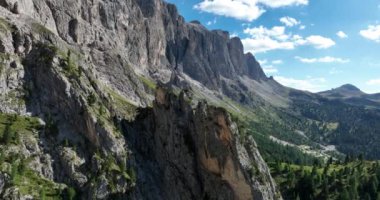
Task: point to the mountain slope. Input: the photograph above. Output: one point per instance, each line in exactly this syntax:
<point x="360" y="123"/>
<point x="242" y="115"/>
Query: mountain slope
<point x="82" y="69"/>
<point x="352" y="95"/>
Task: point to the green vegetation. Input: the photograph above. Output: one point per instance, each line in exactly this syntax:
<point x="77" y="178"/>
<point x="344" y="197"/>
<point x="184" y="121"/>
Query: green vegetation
<point x="148" y="82"/>
<point x="121" y="105"/>
<point x="272" y="152"/>
<point x="354" y="179"/>
<point x="353" y="129"/>
<point x="3" y="57"/>
<point x="71" y="193"/>
<point x="30" y="183"/>
<point x="12" y="129"/>
<point x="41" y="29"/>
<point x="4" y="25"/>
<point x="12" y="126"/>
<point x="91" y="99"/>
<point x="46" y="53"/>
<point x="114" y="170"/>
<point x="71" y="69"/>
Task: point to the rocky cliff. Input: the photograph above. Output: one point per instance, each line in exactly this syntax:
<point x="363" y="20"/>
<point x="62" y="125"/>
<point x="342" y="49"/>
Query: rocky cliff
<point x="200" y="150"/>
<point x="72" y="76"/>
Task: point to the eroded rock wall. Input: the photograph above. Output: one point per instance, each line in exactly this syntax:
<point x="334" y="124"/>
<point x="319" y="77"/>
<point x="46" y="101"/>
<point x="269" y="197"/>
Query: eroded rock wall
<point x="186" y="153"/>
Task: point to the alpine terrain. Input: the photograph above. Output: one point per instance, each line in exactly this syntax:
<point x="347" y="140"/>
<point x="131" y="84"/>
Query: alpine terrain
<point x="124" y="99"/>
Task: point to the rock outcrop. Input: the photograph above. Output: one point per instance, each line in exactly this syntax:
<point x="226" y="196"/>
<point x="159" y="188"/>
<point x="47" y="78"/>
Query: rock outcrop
<point x="185" y="153"/>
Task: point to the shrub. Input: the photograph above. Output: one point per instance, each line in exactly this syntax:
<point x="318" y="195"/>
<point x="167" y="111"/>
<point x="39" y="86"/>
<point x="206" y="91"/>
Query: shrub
<point x="71" y="193"/>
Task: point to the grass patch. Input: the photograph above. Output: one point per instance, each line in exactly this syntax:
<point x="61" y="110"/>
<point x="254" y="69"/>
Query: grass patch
<point x="11" y="126"/>
<point x="5" y="26"/>
<point x="148" y="82"/>
<point x="30" y="183"/>
<point x="26" y="180"/>
<point x="122" y="106"/>
<point x="39" y="28"/>
<point x="72" y="70"/>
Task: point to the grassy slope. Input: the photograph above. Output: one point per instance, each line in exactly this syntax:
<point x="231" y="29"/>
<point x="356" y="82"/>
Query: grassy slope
<point x="14" y="164"/>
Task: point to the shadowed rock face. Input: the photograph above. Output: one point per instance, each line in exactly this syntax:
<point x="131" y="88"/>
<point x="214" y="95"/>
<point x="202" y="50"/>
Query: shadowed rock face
<point x="181" y="153"/>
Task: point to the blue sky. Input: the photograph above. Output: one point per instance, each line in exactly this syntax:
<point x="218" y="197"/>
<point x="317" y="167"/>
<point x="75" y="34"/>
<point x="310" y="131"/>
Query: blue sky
<point x="311" y="45"/>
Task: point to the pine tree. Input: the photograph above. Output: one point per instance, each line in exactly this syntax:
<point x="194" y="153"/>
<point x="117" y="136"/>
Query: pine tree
<point x="42" y="194"/>
<point x="373" y="187"/>
<point x="7" y="135"/>
<point x="344" y="195"/>
<point x="71" y="193"/>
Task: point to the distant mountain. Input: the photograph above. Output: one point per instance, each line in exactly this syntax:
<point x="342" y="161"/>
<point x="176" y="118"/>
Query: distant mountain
<point x="352" y="95"/>
<point x="344" y="91"/>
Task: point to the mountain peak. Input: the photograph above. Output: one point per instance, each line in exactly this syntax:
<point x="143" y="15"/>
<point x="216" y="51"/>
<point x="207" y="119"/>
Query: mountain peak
<point x="349" y="87"/>
<point x="344" y="91"/>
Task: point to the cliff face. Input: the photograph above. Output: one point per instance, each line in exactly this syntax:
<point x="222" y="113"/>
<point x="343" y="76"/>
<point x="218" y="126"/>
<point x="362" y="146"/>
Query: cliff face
<point x="77" y="71"/>
<point x="150" y="34"/>
<point x="199" y="150"/>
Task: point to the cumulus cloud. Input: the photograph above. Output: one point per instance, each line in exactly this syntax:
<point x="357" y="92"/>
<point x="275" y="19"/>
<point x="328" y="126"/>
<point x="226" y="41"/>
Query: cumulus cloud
<point x="209" y="23"/>
<point x="263" y="39"/>
<point x="268" y="69"/>
<point x="342" y="34"/>
<point x="282" y="3"/>
<point x="239" y="9"/>
<point x="371" y="33"/>
<point x="289" y="21"/>
<point x="319" y="42"/>
<point x="326" y="59"/>
<point x="234" y="34"/>
<point x="309" y="84"/>
<point x="374" y="82"/>
<point x="247" y="10"/>
<point x="263" y="62"/>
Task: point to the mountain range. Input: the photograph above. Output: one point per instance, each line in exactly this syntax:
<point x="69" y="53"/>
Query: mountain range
<point x="125" y="100"/>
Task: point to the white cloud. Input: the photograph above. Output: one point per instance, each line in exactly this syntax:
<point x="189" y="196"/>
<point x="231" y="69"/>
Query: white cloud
<point x="342" y="34"/>
<point x="282" y="3"/>
<point x="320" y="42"/>
<point x="258" y="45"/>
<point x="277" y="32"/>
<point x="289" y="21"/>
<point x="211" y="22"/>
<point x="371" y="33"/>
<point x="234" y="34"/>
<point x="247" y="10"/>
<point x="263" y="39"/>
<point x="263" y="62"/>
<point x="302" y="27"/>
<point x="326" y="59"/>
<point x="373" y="82"/>
<point x="270" y="69"/>
<point x="239" y="9"/>
<point x="277" y="62"/>
<point x="309" y="84"/>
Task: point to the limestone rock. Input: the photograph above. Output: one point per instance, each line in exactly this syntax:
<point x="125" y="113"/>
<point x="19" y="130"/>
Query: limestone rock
<point x="199" y="150"/>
